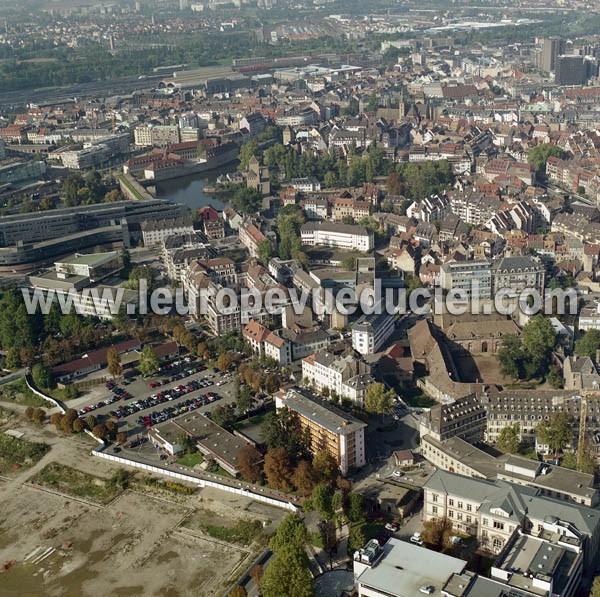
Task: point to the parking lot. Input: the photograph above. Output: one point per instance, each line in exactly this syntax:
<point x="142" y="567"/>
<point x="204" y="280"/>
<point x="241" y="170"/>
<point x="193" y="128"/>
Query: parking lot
<point x="138" y="403"/>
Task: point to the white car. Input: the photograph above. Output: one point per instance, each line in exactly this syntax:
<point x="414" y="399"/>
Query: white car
<point x="416" y="539"/>
<point x="398" y="474"/>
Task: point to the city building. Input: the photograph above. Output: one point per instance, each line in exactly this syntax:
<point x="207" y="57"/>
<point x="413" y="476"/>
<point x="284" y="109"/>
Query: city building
<point x="343" y="374"/>
<point x="570" y="70"/>
<point x="330" y="429"/>
<point x="341" y="236"/>
<point x="401" y="569"/>
<point x="154" y="233"/>
<point x="473" y="278"/>
<point x="518" y="273"/>
<point x="492" y="511"/>
<point x="370" y="332"/>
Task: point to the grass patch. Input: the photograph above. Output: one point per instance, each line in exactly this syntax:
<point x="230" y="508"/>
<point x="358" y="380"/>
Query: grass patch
<point x="191" y="460"/>
<point x="252" y="421"/>
<point x="79" y="484"/>
<point x="244" y="532"/>
<point x="316" y="539"/>
<point x="18" y="393"/>
<point x="18" y="453"/>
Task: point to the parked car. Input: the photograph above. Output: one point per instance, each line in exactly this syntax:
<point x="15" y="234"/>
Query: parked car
<point x="416" y="539"/>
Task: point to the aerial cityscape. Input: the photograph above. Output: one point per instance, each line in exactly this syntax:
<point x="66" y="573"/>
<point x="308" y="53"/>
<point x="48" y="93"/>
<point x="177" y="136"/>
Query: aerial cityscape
<point x="300" y="298"/>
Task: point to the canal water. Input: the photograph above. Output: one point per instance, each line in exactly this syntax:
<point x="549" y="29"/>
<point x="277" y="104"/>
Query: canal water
<point x="190" y="189"/>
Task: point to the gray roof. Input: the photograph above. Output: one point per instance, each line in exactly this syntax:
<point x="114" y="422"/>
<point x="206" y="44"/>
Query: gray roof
<point x="405" y="568"/>
<point x="335" y="227"/>
<point x="521" y="263"/>
<point x="322" y="413"/>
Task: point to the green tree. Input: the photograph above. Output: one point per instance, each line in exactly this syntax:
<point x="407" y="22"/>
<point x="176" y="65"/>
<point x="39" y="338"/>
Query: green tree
<point x="282" y="429"/>
<point x="246" y="201"/>
<point x="538" y="339"/>
<point x="247" y="151"/>
<point x="349" y="263"/>
<point x="245" y="400"/>
<point x="148" y="361"/>
<point x="265" y="251"/>
<point x="586" y="465"/>
<point x="556" y="431"/>
<point x="42" y="376"/>
<point x="224" y="416"/>
<point x="356" y="538"/>
<point x="290" y="533"/>
<point x="322" y="501"/>
<point x="511" y="357"/>
<point x="538" y="157"/>
<point x="588" y="344"/>
<point x="378" y="400"/>
<point x="356" y="508"/>
<point x="288" y="568"/>
<point x="508" y="439"/>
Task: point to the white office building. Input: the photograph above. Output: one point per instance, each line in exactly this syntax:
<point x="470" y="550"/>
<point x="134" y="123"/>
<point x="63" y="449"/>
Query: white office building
<point x="341" y="236"/>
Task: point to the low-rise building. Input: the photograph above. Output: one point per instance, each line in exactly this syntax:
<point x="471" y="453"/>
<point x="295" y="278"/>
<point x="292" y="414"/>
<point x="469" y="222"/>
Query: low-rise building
<point x="370" y="332"/>
<point x="155" y="232"/>
<point x="464" y="418"/>
<point x="342" y="236"/>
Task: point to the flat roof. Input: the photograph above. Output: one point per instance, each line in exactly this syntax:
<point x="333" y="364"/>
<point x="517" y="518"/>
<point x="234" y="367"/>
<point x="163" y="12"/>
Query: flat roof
<point x="323" y="414"/>
<point x="405" y="568"/>
<point x="89" y="258"/>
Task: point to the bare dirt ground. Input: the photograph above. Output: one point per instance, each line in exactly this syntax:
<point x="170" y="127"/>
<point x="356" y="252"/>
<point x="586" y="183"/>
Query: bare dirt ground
<point x="141" y="543"/>
<point x="481" y="369"/>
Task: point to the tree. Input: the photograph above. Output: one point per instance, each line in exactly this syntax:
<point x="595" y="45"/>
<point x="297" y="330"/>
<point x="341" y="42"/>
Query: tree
<point x="68" y="419"/>
<point x="393" y="183"/>
<point x="42" y="376"/>
<point x="588" y="344"/>
<point x="246" y="201"/>
<point x="100" y="431"/>
<point x="325" y="466"/>
<point x="249" y="464"/>
<point x="290" y="533"/>
<point x="322" y="501"/>
<point x="265" y="251"/>
<point x="91" y="421"/>
<point x="121" y="437"/>
<point x="278" y="469"/>
<point x="586" y="464"/>
<point x="378" y="400"/>
<point x="511" y="357"/>
<point x="13" y="358"/>
<point x="538" y="157"/>
<point x="357" y="511"/>
<point x="436" y="531"/>
<point x="554" y="377"/>
<point x="356" y="538"/>
<point x="282" y="429"/>
<point x="349" y="263"/>
<point x="538" y="339"/>
<point x="247" y="151"/>
<point x="78" y="426"/>
<point x="114" y="362"/>
<point x="256" y="573"/>
<point x="595" y="591"/>
<point x="39" y="416"/>
<point x="556" y="431"/>
<point x="289" y="568"/>
<point x="508" y="439"/>
<point x="224" y="415"/>
<point x="245" y="401"/>
<point x="304" y="478"/>
<point x="148" y="361"/>
<point x="238" y="591"/>
<point x="225" y="361"/>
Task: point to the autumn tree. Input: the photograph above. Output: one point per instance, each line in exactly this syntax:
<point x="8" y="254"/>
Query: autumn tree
<point x="78" y="426"/>
<point x="114" y="362"/>
<point x="436" y="531"/>
<point x="225" y="361"/>
<point x="304" y="478"/>
<point x="121" y="437"/>
<point x="378" y="400"/>
<point x="39" y="416"/>
<point x="278" y="469"/>
<point x="256" y="573"/>
<point x="249" y="464"/>
<point x="238" y="591"/>
<point x="325" y="467"/>
<point x="91" y="421"/>
<point x="100" y="431"/>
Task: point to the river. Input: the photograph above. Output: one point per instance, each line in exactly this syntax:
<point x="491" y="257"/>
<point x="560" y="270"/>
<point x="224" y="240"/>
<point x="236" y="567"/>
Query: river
<point x="190" y="189"/>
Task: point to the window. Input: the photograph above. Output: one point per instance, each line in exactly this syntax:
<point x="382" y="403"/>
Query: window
<point x="469" y="518"/>
<point x="459" y="515"/>
<point x="469" y="507"/>
<point x="450" y="514"/>
<point x="498" y="525"/>
<point x="434" y="509"/>
<point x="497" y="544"/>
<point x="434" y="498"/>
<point x="460" y="505"/>
<point x="451" y="502"/>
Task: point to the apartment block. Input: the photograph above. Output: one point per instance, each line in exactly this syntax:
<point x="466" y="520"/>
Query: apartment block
<point x="341" y="236"/>
<point x="370" y="332"/>
<point x="474" y="278"/>
<point x="330" y="429"/>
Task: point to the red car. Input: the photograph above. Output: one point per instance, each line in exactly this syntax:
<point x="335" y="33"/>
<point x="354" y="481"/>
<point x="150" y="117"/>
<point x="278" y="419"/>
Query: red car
<point x="154" y="384"/>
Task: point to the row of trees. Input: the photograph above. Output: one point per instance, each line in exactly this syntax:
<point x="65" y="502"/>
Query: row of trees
<point x="70" y="422"/>
<point x="89" y="189"/>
